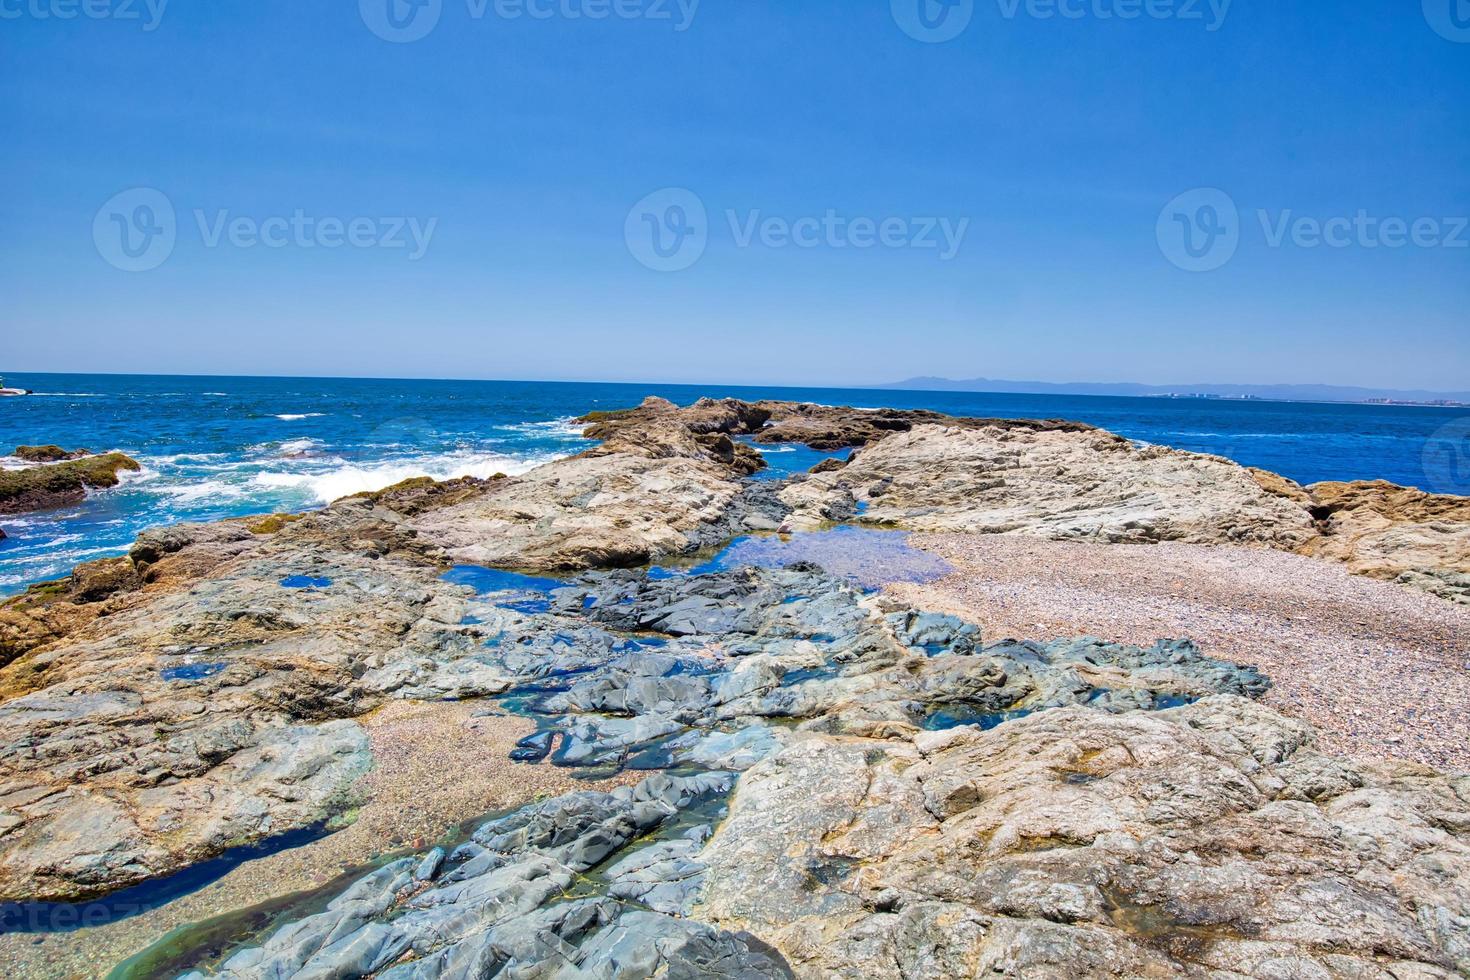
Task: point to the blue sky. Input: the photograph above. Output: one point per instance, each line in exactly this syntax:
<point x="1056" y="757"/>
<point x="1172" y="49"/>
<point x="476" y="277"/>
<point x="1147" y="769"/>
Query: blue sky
<point x="520" y="145"/>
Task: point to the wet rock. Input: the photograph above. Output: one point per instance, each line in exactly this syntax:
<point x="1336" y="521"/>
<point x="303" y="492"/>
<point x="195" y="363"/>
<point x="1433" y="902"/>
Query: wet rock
<point x="502" y="907"/>
<point x="934" y="632"/>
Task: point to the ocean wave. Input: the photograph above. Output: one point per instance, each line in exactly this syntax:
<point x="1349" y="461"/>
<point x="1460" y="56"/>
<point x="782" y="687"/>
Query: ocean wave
<point x="297" y="447"/>
<point x="129" y="477"/>
<point x="181" y="458"/>
<point x="49" y="561"/>
<point x="324" y="487"/>
<point x="566" y="427"/>
<point x="204" y="490"/>
<point x="68" y="394"/>
<point x="303" y="415"/>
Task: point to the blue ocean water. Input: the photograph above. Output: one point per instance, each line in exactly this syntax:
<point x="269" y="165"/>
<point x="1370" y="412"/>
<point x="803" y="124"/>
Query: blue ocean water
<point x="215" y="447"/>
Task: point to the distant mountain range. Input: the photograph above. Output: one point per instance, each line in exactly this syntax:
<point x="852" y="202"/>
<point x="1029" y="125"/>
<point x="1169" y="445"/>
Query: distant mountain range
<point x="1291" y="393"/>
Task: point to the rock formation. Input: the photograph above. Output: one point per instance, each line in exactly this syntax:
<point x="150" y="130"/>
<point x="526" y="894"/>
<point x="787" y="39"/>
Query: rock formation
<point x="1397" y="533"/>
<point x="1059" y="484"/>
<point x="58" y="484"/>
<point x="905" y="797"/>
<point x="1207" y="841"/>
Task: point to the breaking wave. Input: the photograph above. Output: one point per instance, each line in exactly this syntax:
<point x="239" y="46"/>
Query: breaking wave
<point x="344" y="480"/>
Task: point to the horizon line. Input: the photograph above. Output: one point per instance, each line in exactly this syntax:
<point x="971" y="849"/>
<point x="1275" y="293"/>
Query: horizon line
<point x="879" y="387"/>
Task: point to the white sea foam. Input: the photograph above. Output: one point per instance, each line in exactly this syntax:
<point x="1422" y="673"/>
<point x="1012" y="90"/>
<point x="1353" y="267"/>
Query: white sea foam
<point x="298" y="418"/>
<point x="567" y="427"/>
<point x="211" y="491"/>
<point x="329" y="485"/>
<point x="296" y="447"/>
<point x="181" y="458"/>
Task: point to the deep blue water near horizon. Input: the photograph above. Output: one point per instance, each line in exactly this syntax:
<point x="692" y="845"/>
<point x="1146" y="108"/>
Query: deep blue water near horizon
<point x="216" y="447"/>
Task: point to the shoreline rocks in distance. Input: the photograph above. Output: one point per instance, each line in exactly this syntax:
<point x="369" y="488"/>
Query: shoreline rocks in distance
<point x="58" y="478"/>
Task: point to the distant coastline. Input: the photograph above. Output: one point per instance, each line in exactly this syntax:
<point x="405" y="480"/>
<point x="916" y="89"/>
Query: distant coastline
<point x="1335" y="394"/>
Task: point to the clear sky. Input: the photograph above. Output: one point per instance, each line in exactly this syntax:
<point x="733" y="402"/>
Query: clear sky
<point x="521" y="147"/>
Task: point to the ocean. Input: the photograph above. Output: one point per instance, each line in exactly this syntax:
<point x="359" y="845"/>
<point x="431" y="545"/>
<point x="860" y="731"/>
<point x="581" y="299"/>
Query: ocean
<point x="217" y="447"/>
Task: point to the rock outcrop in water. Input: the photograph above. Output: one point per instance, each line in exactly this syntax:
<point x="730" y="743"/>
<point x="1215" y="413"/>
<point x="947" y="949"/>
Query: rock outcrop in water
<point x="52" y="484"/>
<point x="912" y="800"/>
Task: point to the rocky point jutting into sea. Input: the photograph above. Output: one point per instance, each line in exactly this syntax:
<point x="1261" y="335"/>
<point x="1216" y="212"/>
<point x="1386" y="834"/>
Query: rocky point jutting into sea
<point x="807" y="772"/>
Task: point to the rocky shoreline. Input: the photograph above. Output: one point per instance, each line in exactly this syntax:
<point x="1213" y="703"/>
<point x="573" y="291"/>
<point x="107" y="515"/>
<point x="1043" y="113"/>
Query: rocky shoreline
<point x="845" y="783"/>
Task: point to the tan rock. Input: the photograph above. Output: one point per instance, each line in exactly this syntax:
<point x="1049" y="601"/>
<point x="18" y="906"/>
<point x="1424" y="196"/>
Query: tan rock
<point x="1056" y="484"/>
<point x="1398" y="533"/>
<point x="1204" y="841"/>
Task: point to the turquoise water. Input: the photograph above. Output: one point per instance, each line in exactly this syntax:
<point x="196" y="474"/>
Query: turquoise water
<point x="223" y="447"/>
